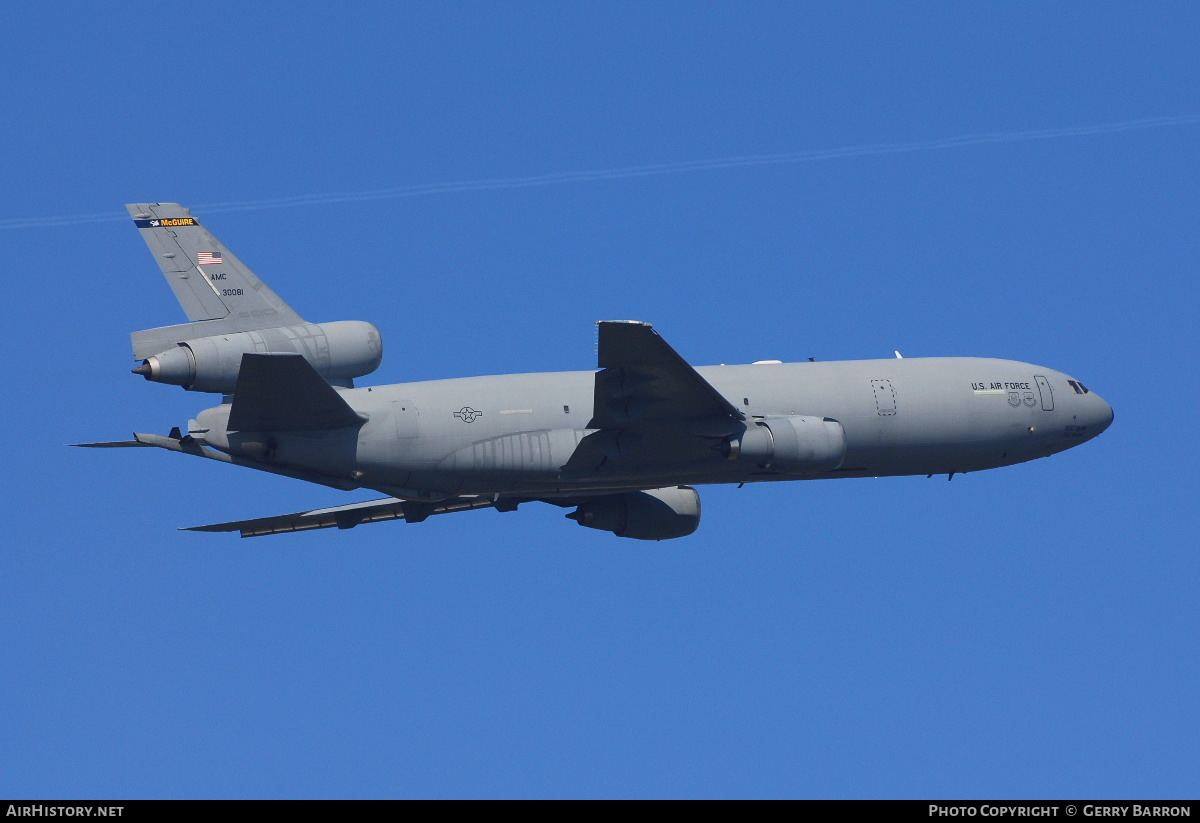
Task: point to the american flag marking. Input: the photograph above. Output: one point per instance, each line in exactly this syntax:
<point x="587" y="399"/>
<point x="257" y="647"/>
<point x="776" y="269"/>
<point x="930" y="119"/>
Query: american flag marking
<point x="208" y="258"/>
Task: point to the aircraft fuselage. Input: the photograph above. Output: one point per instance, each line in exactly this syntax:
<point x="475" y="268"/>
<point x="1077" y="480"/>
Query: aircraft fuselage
<point x="513" y="434"/>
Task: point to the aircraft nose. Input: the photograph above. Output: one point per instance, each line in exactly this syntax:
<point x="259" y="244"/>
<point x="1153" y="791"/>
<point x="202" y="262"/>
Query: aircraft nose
<point x="1100" y="413"/>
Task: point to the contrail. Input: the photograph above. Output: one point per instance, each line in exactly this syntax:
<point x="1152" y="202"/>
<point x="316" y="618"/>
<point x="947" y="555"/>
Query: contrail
<point x="628" y="172"/>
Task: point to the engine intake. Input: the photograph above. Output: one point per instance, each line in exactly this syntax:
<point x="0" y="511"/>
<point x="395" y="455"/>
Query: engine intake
<point x="339" y="352"/>
<point x="796" y="444"/>
<point x="654" y="514"/>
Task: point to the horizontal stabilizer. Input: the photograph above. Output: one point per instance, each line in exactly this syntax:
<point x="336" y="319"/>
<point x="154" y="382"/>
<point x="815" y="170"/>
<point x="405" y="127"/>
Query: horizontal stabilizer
<point x="177" y="442"/>
<point x="283" y="392"/>
<point x="153" y="341"/>
<point x="348" y="516"/>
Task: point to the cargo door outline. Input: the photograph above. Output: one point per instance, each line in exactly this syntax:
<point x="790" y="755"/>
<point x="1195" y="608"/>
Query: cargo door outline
<point x="1045" y="391"/>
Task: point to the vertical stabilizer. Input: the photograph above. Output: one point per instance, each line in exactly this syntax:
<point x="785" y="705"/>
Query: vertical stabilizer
<point x="209" y="281"/>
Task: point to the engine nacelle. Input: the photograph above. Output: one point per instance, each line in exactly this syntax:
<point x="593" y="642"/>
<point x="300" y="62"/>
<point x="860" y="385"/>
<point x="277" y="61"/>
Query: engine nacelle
<point x="338" y="351"/>
<point x="654" y="514"/>
<point x="796" y="444"/>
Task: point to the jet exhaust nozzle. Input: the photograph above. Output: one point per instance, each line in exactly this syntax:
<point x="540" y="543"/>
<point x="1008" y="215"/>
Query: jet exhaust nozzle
<point x="176" y="366"/>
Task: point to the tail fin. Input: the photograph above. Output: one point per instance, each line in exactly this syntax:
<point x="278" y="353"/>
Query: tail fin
<point x="219" y="294"/>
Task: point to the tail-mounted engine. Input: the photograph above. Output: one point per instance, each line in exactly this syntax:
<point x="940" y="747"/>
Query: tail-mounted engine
<point x="796" y="444"/>
<point x="339" y="352"/>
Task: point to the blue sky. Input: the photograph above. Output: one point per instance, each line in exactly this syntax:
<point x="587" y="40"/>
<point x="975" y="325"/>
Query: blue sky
<point x="1026" y="632"/>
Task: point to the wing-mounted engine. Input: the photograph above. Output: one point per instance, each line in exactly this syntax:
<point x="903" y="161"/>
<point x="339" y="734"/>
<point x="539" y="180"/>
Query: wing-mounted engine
<point x="796" y="444"/>
<point x="654" y="514"/>
<point x="338" y="351"/>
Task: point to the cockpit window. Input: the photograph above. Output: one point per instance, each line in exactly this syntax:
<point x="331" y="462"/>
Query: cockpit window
<point x="1077" y="386"/>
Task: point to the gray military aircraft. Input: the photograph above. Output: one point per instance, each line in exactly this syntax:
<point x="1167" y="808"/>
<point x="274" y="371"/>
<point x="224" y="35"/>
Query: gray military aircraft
<point x="621" y="446"/>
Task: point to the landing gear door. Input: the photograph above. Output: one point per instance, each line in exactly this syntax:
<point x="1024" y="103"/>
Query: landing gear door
<point x="1046" y="392"/>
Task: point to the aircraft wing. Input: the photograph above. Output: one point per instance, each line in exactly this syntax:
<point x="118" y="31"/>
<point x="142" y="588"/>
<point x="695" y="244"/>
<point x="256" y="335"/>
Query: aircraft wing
<point x="349" y="516"/>
<point x="113" y="444"/>
<point x="645" y="381"/>
<point x="650" y="407"/>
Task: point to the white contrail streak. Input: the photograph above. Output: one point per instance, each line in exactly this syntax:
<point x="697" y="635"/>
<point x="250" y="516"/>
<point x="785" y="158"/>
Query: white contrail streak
<point x="628" y="172"/>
